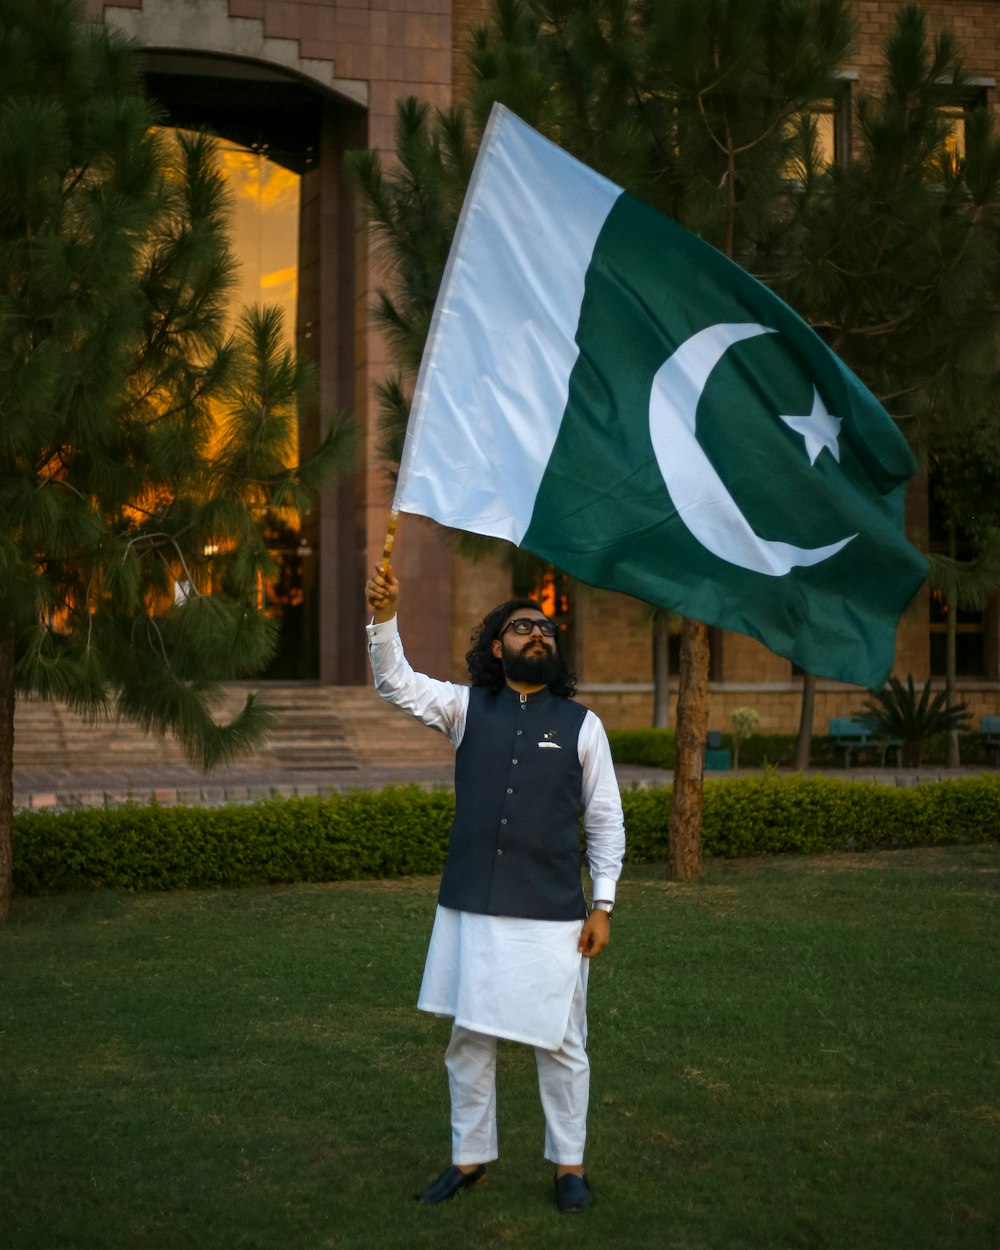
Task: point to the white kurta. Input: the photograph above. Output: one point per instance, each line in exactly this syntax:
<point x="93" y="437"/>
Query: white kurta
<point x="503" y="975"/>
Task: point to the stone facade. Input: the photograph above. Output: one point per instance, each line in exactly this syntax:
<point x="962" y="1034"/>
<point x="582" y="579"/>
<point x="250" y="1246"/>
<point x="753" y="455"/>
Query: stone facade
<point x="358" y="58"/>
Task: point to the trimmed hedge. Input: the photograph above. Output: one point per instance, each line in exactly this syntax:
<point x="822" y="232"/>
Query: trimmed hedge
<point x="652" y="748"/>
<point x="398" y="831"/>
<point x="403" y="831"/>
<point x="655" y="748"/>
<point x="774" y="815"/>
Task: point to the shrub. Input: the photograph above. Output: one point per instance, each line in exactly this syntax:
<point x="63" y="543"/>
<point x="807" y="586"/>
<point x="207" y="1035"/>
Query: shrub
<point x="398" y="831"/>
<point x="403" y="831"/>
<point x="898" y="712"/>
<point x="746" y="722"/>
<point x="653" y="748"/>
<point x="774" y="815"/>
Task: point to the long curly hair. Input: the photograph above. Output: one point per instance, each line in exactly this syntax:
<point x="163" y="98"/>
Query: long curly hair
<point x="484" y="667"/>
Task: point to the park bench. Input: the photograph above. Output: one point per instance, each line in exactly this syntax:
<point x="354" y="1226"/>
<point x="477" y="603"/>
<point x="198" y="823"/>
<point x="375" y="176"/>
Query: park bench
<point x="989" y="727"/>
<point x="849" y="735"/>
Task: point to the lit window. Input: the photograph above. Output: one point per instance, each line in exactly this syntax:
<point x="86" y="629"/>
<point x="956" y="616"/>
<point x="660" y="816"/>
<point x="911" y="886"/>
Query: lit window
<point x="265" y="228"/>
<point x="264" y="199"/>
<point x="553" y="590"/>
<point x="831" y="126"/>
<point x="956" y="118"/>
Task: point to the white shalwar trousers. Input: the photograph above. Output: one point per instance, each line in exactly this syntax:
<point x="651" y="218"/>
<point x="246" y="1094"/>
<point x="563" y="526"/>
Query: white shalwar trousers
<point x="563" y="1083"/>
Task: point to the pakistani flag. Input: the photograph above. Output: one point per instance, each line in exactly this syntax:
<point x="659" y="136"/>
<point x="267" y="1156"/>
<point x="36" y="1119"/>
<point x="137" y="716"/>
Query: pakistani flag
<point x="606" y="390"/>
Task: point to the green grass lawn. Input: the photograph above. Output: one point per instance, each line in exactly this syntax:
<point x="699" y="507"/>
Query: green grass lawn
<point x="789" y="1053"/>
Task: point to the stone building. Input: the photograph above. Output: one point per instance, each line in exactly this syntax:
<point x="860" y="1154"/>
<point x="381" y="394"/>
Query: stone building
<point x="291" y="85"/>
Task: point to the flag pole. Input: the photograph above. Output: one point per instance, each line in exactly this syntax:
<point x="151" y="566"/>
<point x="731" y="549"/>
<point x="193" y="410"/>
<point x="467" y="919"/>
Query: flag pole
<point x="390" y="535"/>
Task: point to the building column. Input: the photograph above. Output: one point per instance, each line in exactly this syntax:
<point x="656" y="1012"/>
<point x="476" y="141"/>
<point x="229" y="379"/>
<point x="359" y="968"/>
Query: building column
<point x="334" y="572"/>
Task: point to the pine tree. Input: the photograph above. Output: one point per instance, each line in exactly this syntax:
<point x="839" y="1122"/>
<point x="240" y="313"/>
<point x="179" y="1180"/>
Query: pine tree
<point x="705" y="109"/>
<point x="142" y="444"/>
<point x="896" y="259"/>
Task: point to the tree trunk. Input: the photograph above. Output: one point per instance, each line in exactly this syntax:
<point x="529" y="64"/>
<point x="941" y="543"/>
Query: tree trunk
<point x="692" y="733"/>
<point x="953" y="759"/>
<point x="6" y="769"/>
<point x="661" y="671"/>
<point x="803" y="744"/>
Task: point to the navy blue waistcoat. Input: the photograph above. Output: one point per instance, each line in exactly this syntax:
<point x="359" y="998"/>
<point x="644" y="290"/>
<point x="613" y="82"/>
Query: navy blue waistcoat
<point x="515" y="844"/>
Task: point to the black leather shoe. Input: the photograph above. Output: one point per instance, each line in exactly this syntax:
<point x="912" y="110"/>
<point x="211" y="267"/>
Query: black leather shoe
<point x="572" y="1193"/>
<point x="451" y="1182"/>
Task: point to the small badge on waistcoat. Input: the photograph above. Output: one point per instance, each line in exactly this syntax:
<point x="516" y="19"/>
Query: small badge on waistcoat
<point x="547" y="740"/>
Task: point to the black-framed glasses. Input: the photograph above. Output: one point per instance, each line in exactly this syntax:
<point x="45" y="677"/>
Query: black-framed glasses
<point x="524" y="625"/>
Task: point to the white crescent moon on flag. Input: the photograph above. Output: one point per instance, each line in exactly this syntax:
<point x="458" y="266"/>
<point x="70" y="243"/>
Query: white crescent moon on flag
<point x="703" y="503"/>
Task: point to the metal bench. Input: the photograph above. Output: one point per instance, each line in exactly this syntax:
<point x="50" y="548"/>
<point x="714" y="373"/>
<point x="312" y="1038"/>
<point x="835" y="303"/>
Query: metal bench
<point x="989" y="727"/>
<point x="849" y="735"/>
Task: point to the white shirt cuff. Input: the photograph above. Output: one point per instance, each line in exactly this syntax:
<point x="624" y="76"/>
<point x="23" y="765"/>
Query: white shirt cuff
<point x="384" y="631"/>
<point x="603" y="888"/>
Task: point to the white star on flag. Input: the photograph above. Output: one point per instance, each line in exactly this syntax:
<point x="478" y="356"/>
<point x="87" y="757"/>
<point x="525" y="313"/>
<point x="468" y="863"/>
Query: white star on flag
<point x="819" y="429"/>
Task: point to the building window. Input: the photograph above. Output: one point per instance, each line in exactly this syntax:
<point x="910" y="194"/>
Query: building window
<point x="265" y="229"/>
<point x="833" y="128"/>
<point x="830" y="122"/>
<point x="970" y="640"/>
<point x="956" y="117"/>
<point x="971" y="657"/>
<point x="264" y="233"/>
<point x="554" y="591"/>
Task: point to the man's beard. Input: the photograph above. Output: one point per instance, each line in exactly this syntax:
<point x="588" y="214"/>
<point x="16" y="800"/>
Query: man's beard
<point x="533" y="667"/>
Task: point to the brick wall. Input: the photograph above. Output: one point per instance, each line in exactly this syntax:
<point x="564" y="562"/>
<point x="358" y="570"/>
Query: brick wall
<point x="466" y="16"/>
<point x="778" y="706"/>
<point x="975" y="24"/>
<point x="478" y="586"/>
<point x="404" y="47"/>
<point x="614" y="641"/>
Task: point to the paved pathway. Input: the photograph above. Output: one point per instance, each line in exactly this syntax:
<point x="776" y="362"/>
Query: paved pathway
<point x="36" y="787"/>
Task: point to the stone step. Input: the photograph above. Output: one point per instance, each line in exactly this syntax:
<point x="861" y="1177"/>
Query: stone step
<point x="384" y="736"/>
<point x="316" y="728"/>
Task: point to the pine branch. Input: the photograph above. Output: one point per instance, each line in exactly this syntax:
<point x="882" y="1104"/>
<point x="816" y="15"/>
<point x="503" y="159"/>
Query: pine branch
<point x="971" y="585"/>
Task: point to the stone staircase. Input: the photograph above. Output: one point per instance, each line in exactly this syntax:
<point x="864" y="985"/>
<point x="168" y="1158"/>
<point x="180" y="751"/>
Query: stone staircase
<point x="48" y="734"/>
<point x="308" y="733"/>
<point x="384" y="737"/>
<point x="317" y="729"/>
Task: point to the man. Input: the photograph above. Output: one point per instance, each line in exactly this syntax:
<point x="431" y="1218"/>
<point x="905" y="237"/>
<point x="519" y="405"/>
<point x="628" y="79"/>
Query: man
<point x="512" y="939"/>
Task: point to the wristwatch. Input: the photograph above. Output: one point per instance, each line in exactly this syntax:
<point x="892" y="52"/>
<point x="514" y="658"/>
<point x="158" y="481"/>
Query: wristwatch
<point x="602" y="905"/>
